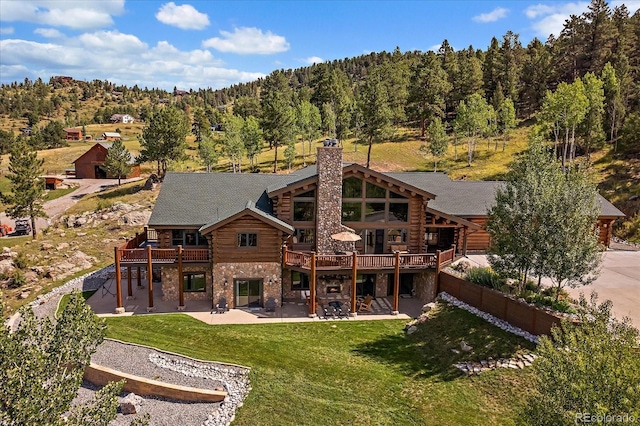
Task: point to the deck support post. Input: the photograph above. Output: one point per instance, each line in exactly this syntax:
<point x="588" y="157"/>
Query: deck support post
<point x="312" y="287"/>
<point x="396" y="284"/>
<point x="119" y="306"/>
<point x="129" y="289"/>
<point x="354" y="280"/>
<point x="464" y="241"/>
<point x="436" y="281"/>
<point x="150" y="307"/>
<point x="139" y="277"/>
<point x="180" y="281"/>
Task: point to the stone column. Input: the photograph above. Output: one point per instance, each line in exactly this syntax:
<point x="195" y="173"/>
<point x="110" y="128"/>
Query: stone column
<point x="329" y="198"/>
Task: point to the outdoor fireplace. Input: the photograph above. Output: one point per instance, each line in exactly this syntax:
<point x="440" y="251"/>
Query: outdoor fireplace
<point x="333" y="289"/>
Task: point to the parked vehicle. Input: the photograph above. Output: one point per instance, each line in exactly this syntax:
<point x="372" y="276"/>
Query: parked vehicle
<point x="5" y="230"/>
<point x="23" y="227"/>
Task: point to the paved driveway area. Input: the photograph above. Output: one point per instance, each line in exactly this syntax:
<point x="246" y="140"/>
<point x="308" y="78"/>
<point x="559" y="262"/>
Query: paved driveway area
<point x="619" y="281"/>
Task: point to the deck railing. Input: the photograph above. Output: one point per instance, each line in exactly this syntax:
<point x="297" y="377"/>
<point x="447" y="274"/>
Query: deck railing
<point x="365" y="261"/>
<point x="133" y="252"/>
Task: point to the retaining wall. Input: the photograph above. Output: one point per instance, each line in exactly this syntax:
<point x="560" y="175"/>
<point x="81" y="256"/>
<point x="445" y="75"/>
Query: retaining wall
<point x="529" y="318"/>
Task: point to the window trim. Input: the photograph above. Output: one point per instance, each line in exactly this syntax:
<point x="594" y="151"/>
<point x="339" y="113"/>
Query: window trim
<point x="187" y="279"/>
<point x="247" y="239"/>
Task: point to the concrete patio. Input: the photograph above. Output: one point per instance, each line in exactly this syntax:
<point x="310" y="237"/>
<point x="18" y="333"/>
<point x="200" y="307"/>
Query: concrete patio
<point x="103" y="303"/>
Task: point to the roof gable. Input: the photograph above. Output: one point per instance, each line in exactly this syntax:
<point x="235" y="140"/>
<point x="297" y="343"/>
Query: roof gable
<point x="250" y="210"/>
<point x="99" y="146"/>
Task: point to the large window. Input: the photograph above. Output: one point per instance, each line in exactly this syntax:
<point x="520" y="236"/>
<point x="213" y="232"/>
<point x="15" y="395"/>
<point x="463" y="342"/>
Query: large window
<point x="351" y="212"/>
<point x="379" y="204"/>
<point x="187" y="237"/>
<point x="194" y="281"/>
<point x="304" y="236"/>
<point x="352" y="188"/>
<point x="246" y="239"/>
<point x="299" y="281"/>
<point x="304" y="211"/>
<point x="398" y="212"/>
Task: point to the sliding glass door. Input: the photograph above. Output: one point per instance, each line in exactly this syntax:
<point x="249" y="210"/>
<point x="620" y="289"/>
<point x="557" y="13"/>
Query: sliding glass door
<point x="248" y="293"/>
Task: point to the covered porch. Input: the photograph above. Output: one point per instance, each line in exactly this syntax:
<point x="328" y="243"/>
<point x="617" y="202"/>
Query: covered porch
<point x="350" y="265"/>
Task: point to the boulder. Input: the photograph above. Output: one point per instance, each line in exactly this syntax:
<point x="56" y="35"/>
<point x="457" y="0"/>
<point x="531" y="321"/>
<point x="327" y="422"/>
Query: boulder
<point x="6" y="266"/>
<point x="79" y="222"/>
<point x="130" y="404"/>
<point x="427" y="307"/>
<point x="62" y="246"/>
<point x="46" y="246"/>
<point x="412" y="329"/>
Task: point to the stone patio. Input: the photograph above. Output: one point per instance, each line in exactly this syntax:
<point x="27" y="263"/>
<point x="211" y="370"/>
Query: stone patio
<point x="103" y="302"/>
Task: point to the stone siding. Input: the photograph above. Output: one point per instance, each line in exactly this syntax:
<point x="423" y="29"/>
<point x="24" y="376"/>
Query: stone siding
<point x="329" y="199"/>
<point x="424" y="284"/>
<point x="170" y="283"/>
<point x="271" y="271"/>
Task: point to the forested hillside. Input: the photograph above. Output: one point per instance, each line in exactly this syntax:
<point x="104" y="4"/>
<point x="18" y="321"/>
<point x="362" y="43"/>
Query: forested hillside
<point x="579" y="91"/>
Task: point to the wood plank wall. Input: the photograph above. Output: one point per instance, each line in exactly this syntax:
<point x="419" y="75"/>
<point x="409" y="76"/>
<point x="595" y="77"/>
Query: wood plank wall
<point x="226" y="242"/>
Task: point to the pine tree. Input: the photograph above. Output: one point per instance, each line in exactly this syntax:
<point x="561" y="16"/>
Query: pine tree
<point x="373" y="103"/>
<point x="278" y="115"/>
<point x="27" y="188"/>
<point x="118" y="160"/>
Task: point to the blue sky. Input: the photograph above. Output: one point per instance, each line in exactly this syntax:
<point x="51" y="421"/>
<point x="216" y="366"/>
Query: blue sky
<point x="200" y="44"/>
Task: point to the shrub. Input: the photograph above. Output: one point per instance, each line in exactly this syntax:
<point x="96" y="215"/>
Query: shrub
<point x="17" y="279"/>
<point x="485" y="277"/>
<point x="21" y="261"/>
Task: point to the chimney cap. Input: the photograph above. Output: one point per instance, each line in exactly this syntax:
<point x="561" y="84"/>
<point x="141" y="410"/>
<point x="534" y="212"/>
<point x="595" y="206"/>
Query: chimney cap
<point x="330" y="142"/>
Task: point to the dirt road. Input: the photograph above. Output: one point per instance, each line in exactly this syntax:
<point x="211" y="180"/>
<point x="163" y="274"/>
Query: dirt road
<point x="57" y="207"/>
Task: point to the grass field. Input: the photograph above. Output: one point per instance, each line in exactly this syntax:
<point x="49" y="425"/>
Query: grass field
<point x="356" y="372"/>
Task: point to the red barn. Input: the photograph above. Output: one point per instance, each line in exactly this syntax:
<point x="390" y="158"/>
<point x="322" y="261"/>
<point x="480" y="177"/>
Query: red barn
<point x="90" y="164"/>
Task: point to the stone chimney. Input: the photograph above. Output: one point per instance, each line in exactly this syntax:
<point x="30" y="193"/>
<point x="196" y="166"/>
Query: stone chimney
<point x="329" y="197"/>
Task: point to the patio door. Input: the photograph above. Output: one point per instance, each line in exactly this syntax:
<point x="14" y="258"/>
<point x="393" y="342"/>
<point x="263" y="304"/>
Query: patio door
<point x="248" y="293"/>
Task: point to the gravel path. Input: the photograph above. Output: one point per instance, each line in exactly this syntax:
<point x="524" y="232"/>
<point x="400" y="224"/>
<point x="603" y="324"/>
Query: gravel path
<point x="156" y="365"/>
<point x="170" y="368"/>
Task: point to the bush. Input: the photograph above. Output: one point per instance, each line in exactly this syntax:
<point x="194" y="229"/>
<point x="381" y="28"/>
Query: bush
<point x="485" y="277"/>
<point x="21" y="261"/>
<point x="17" y="279"/>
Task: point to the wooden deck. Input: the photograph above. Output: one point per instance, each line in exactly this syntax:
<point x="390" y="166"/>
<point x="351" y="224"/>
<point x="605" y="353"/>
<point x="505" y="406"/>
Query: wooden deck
<point x="364" y="262"/>
<point x="139" y="250"/>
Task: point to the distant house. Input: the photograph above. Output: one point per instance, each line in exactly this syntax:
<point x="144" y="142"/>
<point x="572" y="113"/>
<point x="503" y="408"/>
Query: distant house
<point x="26" y="131"/>
<point x="52" y="182"/>
<point x="163" y="101"/>
<point x="90" y="164"/>
<point x="111" y="136"/>
<point x="73" y="134"/>
<point x="121" y="118"/>
<point x="177" y="92"/>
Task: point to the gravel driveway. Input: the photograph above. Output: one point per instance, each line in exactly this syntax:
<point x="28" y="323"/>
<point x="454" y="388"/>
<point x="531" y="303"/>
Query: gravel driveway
<point x="55" y="208"/>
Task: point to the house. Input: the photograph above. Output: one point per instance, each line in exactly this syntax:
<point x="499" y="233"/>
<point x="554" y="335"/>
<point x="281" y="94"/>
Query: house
<point x="73" y="134"/>
<point x="90" y="164"/>
<point x="111" y="136"/>
<point x="250" y="238"/>
<point x="121" y="118"/>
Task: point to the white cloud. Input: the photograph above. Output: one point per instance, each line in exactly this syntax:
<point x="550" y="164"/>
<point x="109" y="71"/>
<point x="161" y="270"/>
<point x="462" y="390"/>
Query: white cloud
<point x="247" y="41"/>
<point x="185" y="16"/>
<point x="117" y="57"/>
<point x="549" y="18"/>
<point x="48" y="32"/>
<point x="6" y="30"/>
<point x="493" y="16"/>
<point x="62" y="13"/>
<point x="313" y="60"/>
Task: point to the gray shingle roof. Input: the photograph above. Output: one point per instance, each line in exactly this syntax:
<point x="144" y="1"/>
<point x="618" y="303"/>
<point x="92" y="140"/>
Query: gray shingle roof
<point x="198" y="199"/>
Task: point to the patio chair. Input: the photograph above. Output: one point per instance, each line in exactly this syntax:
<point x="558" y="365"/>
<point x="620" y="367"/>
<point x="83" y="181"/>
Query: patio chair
<point x="221" y="306"/>
<point x="270" y="305"/>
<point x="344" y="311"/>
<point x="365" y="305"/>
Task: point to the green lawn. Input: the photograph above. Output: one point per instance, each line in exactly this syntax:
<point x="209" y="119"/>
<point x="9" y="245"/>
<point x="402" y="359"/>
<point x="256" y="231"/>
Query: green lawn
<point x="357" y="372"/>
<point x="64" y="301"/>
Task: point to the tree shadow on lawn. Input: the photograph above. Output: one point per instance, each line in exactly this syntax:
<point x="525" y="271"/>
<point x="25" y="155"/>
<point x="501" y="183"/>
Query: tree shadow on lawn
<point x="430" y="352"/>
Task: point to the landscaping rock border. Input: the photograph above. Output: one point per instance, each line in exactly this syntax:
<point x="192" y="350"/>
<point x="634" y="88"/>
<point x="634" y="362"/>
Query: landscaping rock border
<point x="488" y="317"/>
<point x="517" y="363"/>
